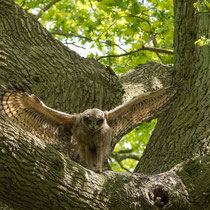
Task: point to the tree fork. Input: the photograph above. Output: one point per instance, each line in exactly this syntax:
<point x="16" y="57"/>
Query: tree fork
<point x="32" y="171"/>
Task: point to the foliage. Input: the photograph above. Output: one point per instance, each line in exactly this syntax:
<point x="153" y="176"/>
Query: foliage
<point x="203" y="41"/>
<point x="112" y="27"/>
<point x="202" y="6"/>
<point x="129" y="150"/>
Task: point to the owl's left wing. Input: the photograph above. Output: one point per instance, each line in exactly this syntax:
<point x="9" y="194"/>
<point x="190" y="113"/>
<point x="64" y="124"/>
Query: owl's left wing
<point x="34" y="116"/>
<point x="129" y="115"/>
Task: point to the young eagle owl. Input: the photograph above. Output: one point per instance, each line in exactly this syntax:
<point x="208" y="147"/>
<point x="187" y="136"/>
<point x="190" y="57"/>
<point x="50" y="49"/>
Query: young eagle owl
<point x="93" y="130"/>
<point x="93" y="135"/>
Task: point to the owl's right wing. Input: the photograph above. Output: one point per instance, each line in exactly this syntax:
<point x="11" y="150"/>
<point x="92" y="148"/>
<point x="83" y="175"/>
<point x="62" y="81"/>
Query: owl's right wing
<point x="34" y="116"/>
<point x="129" y="115"/>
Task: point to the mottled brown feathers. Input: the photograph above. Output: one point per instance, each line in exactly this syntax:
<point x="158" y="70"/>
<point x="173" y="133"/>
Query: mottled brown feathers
<point x="31" y="114"/>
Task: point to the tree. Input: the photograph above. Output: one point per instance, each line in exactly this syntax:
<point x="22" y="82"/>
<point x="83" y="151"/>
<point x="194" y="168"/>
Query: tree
<point x="174" y="170"/>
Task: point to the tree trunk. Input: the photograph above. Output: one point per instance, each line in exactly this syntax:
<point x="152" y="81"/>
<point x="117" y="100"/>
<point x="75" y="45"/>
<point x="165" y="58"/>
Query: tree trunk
<point x="182" y="132"/>
<point x="174" y="170"/>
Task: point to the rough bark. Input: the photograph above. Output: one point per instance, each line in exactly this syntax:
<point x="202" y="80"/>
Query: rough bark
<point x="32" y="58"/>
<point x="183" y="131"/>
<point x="146" y="78"/>
<point x="34" y="174"/>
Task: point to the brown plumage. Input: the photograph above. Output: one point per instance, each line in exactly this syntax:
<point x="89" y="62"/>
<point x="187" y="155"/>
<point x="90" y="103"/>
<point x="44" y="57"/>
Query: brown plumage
<point x="93" y="130"/>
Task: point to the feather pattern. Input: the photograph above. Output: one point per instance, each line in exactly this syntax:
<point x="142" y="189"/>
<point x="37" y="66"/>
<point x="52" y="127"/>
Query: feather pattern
<point x="32" y="115"/>
<point x="127" y="116"/>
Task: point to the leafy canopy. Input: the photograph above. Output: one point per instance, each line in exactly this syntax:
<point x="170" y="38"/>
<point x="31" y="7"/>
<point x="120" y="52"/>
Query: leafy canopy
<point x="112" y="27"/>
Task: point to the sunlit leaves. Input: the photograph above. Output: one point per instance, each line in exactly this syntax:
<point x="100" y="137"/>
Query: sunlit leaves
<point x="202" y="6"/>
<point x="131" y="147"/>
<point x="31" y="4"/>
<point x="203" y="41"/>
<point x="112" y="26"/>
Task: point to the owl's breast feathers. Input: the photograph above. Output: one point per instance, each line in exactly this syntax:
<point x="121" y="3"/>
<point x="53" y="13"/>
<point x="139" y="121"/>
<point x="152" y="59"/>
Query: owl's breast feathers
<point x="83" y="135"/>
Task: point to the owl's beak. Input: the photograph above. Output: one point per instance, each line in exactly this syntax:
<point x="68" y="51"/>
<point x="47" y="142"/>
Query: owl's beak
<point x="93" y="128"/>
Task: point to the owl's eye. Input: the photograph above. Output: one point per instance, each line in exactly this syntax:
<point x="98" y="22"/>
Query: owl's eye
<point x="100" y="121"/>
<point x="87" y="120"/>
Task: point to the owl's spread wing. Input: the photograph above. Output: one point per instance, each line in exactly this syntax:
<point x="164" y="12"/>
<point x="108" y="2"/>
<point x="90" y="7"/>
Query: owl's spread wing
<point x="34" y="116"/>
<point x="129" y="115"/>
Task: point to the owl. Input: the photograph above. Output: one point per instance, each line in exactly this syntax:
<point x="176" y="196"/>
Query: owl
<point x="93" y="136"/>
<point x="94" y="131"/>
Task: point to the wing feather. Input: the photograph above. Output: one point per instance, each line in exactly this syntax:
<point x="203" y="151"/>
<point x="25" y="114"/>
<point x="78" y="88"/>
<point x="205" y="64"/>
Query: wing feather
<point x="129" y="115"/>
<point x="34" y="116"/>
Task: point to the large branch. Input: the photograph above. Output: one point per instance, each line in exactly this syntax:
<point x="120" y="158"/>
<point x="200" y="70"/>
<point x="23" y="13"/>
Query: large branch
<point x="147" y="48"/>
<point x="35" y="174"/>
<point x="32" y="58"/>
<point x="146" y="78"/>
<point x="183" y="132"/>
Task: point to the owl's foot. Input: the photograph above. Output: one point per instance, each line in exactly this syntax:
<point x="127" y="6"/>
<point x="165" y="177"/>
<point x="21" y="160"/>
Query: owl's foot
<point x="98" y="169"/>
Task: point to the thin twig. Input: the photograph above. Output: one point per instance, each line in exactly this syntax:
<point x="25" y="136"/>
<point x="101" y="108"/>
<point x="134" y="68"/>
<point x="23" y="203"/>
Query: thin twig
<point x="46" y="8"/>
<point x="83" y="37"/>
<point x="125" y="151"/>
<point x="148" y="22"/>
<point x="121" y="165"/>
<point x="153" y="49"/>
<point x="134" y="157"/>
<point x="154" y="41"/>
<point x="72" y="43"/>
<point x="120" y="158"/>
<point x="91" y="5"/>
<point x="71" y="34"/>
<point x="106" y="29"/>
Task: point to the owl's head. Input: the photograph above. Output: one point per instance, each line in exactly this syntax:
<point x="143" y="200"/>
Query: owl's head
<point x="93" y="119"/>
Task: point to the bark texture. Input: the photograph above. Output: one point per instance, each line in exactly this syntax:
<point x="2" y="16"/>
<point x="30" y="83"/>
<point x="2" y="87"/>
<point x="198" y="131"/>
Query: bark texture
<point x="145" y="78"/>
<point x="32" y="58"/>
<point x="35" y="174"/>
<point x="184" y="130"/>
<point x="176" y="162"/>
